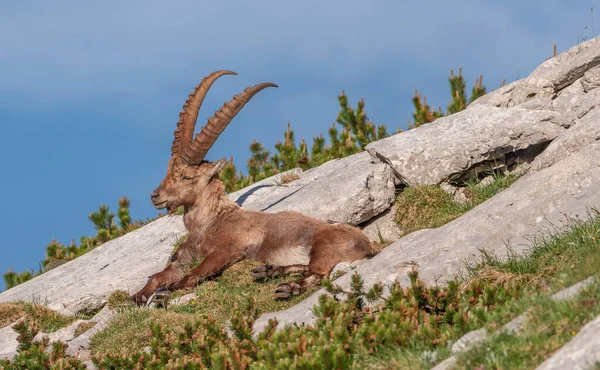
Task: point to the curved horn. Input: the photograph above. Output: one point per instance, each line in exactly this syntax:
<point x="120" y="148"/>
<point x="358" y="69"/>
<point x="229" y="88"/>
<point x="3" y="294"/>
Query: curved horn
<point x="195" y="152"/>
<point x="189" y="114"/>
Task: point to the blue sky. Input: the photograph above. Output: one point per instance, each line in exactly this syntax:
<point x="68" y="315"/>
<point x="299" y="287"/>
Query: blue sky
<point x="90" y="92"/>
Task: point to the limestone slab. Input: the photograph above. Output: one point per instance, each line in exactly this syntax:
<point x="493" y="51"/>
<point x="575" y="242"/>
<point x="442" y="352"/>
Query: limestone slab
<point x="581" y="353"/>
<point x="8" y="342"/>
<point x="473" y="140"/>
<point x="552" y="76"/>
<point x="537" y="203"/>
<point x="580" y="135"/>
<point x="350" y="190"/>
<point x="85" y="283"/>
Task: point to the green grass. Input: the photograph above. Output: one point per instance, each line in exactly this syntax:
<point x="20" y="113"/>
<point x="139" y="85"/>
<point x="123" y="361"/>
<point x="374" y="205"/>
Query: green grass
<point x="428" y="206"/>
<point x="550" y="326"/>
<point x="118" y="299"/>
<point x="478" y="194"/>
<point x="82" y="327"/>
<point x="557" y="260"/>
<point x="413" y="328"/>
<point x="218" y="298"/>
<point x="554" y="262"/>
<point x="509" y="287"/>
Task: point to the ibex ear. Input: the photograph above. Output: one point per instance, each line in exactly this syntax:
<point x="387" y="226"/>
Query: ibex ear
<point x="218" y="166"/>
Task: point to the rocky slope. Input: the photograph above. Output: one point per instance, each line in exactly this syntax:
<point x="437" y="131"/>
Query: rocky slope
<point x="545" y="126"/>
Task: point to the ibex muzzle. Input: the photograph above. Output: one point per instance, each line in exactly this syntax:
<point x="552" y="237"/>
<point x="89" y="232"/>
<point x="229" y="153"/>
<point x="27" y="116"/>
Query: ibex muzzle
<point x="221" y="232"/>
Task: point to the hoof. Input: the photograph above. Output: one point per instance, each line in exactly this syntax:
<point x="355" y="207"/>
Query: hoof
<point x="265" y="271"/>
<point x="139" y="299"/>
<point x="160" y="298"/>
<point x="287" y="290"/>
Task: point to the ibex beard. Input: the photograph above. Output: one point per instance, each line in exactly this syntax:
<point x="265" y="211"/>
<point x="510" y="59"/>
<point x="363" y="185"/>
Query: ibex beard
<point x="222" y="233"/>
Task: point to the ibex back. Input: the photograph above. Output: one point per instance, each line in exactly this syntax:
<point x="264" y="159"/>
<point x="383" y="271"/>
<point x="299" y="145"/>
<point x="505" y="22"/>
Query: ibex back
<point x="223" y="233"/>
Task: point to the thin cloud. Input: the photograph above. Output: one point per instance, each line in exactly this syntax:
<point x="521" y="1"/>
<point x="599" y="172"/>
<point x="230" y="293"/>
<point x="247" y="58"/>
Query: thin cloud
<point x="82" y="49"/>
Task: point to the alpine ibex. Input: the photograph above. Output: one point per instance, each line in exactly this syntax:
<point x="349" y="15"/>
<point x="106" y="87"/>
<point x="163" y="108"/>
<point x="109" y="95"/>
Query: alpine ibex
<point x="222" y="232"/>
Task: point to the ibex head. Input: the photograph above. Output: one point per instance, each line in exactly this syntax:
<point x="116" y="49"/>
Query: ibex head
<point x="188" y="173"/>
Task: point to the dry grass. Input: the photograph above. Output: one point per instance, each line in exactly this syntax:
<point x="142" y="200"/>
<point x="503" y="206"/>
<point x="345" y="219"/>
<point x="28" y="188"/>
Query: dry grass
<point x="82" y="327"/>
<point x="390" y="359"/>
<point x="501" y="290"/>
<point x="286" y="179"/>
<point x="234" y="287"/>
<point x="10" y="312"/>
<point x="130" y="330"/>
<point x="46" y="319"/>
<point x="507" y="278"/>
<point x="217" y="298"/>
<point x="119" y="298"/>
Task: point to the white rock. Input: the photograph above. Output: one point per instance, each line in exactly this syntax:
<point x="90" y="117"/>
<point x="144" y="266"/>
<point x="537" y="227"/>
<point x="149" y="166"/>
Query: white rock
<point x="8" y="341"/>
<point x="469" y="340"/>
<point x="564" y="69"/>
<point x="488" y="180"/>
<point x="124" y="263"/>
<point x="64" y="335"/>
<point x="447" y="364"/>
<point x="383" y="227"/>
<point x="183" y="299"/>
<point x="591" y="79"/>
<point x="585" y="132"/>
<point x="552" y="76"/>
<point x="457" y="193"/>
<point x="274" y="182"/>
<point x="581" y="353"/>
<point x="350" y="190"/>
<point x="536" y="203"/>
<point x="574" y="290"/>
<point x="473" y="140"/>
<point x="80" y="346"/>
<point x="514" y="94"/>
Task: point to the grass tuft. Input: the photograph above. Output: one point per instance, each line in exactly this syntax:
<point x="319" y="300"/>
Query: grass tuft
<point x="428" y="206"/>
<point x="566" y="257"/>
<point x="46" y="319"/>
<point x="286" y="179"/>
<point x="82" y="327"/>
<point x="119" y="298"/>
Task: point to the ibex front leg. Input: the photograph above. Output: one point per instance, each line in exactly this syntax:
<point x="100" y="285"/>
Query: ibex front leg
<point x="172" y="273"/>
<point x="213" y="265"/>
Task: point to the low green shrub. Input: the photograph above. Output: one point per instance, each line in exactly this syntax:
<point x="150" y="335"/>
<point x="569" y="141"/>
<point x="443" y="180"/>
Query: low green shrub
<point x="38" y="355"/>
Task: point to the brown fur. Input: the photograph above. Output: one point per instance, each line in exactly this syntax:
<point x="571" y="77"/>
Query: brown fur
<point x="224" y="234"/>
